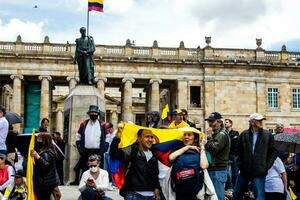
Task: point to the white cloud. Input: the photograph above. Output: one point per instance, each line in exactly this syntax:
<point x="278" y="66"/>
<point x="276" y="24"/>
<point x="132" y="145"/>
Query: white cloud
<point x="28" y="30"/>
<point x="231" y="23"/>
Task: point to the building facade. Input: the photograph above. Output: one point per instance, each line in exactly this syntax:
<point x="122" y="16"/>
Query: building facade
<point x="35" y="78"/>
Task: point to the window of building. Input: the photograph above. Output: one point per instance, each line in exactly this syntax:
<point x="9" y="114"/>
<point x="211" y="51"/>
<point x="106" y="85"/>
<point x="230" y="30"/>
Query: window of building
<point x="296" y="98"/>
<point x="195" y="96"/>
<point x="273" y="97"/>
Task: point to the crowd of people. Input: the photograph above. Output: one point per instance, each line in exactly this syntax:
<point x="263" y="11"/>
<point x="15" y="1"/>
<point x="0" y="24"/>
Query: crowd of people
<point x="219" y="164"/>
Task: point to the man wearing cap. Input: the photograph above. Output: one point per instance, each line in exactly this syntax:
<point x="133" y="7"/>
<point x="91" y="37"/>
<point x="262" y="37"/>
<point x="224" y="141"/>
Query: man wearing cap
<point x="90" y="139"/>
<point x="178" y="121"/>
<point x="256" y="154"/>
<point x="218" y="145"/>
<point x="3" y="130"/>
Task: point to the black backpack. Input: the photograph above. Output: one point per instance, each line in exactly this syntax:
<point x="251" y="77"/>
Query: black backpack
<point x="186" y="175"/>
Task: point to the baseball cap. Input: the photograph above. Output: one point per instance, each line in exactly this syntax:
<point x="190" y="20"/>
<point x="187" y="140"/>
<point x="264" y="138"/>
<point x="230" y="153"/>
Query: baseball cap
<point x="214" y="116"/>
<point x="256" y="116"/>
<point x="178" y="111"/>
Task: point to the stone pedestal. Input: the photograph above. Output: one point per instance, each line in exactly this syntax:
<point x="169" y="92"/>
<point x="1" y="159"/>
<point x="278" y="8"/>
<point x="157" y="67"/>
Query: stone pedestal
<point x="75" y="111"/>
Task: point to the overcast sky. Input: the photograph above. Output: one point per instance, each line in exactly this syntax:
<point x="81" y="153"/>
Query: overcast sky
<point x="230" y="23"/>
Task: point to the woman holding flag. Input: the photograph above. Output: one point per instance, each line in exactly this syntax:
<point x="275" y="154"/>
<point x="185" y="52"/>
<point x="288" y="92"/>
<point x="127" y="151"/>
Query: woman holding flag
<point x="45" y="177"/>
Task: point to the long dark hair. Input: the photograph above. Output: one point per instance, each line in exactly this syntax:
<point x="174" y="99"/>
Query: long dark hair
<point x="47" y="143"/>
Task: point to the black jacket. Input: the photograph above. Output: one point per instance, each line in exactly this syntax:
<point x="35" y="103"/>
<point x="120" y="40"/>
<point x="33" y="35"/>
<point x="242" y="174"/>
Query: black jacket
<point x="234" y="135"/>
<point x="45" y="173"/>
<point x="258" y="163"/>
<point x="80" y="144"/>
<point x="141" y="175"/>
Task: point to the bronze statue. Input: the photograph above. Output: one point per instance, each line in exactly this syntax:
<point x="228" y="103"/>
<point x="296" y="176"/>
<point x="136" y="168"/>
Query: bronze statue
<point x="85" y="49"/>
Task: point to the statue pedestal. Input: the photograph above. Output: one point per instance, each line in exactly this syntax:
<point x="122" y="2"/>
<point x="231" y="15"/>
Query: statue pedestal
<point x="76" y="106"/>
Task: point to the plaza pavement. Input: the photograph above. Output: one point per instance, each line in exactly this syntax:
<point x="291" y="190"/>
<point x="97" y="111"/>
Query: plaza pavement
<point x="72" y="193"/>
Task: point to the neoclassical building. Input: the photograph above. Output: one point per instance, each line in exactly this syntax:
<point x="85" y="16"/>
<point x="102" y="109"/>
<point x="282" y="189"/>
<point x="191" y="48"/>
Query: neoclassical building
<point x="35" y="78"/>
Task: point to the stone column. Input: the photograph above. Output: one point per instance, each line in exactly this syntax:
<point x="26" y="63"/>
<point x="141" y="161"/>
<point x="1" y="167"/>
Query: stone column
<point x="1" y="94"/>
<point x="72" y="82"/>
<point x="114" y="118"/>
<point x="17" y="96"/>
<point x="209" y="98"/>
<point x="127" y="99"/>
<point x="101" y="85"/>
<point x="45" y="107"/>
<point x="285" y="101"/>
<point x="59" y="120"/>
<point x="154" y="98"/>
<point x="7" y="102"/>
<point x="261" y="97"/>
<point x="182" y="93"/>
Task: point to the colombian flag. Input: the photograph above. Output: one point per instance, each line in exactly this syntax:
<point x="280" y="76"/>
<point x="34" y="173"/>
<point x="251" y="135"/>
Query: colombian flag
<point x="165" y="115"/>
<point x="96" y="5"/>
<point x="165" y="141"/>
<point x="29" y="172"/>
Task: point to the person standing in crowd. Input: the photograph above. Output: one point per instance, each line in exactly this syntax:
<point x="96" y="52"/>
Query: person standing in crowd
<point x="256" y="154"/>
<point x="276" y="181"/>
<point x="90" y="139"/>
<point x="232" y="157"/>
<point x="185" y="118"/>
<point x="12" y="155"/>
<point x="153" y="118"/>
<point x="44" y="125"/>
<point x="191" y="154"/>
<point x="60" y="158"/>
<point x="6" y="174"/>
<point x="279" y="128"/>
<point x="110" y="134"/>
<point x="178" y="121"/>
<point x="3" y="130"/>
<point x="94" y="181"/>
<point x="141" y="180"/>
<point x="45" y="175"/>
<point x="218" y="145"/>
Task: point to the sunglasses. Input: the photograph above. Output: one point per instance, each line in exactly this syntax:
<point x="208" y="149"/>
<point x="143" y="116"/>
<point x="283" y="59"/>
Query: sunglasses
<point x="92" y="166"/>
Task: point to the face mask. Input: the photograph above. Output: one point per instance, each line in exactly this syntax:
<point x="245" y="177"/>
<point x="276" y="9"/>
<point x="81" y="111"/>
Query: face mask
<point x="93" y="117"/>
<point x="93" y="169"/>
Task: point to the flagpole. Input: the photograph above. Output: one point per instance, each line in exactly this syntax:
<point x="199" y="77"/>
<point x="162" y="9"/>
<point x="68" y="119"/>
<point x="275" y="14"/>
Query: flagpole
<point x="88" y="20"/>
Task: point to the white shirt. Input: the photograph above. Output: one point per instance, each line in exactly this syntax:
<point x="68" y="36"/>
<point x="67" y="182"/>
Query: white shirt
<point x="255" y="135"/>
<point x="3" y="132"/>
<point x="274" y="182"/>
<point x="101" y="181"/>
<point x="92" y="135"/>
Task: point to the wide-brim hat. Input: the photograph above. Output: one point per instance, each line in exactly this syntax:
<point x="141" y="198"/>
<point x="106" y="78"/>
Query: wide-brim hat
<point x="93" y="108"/>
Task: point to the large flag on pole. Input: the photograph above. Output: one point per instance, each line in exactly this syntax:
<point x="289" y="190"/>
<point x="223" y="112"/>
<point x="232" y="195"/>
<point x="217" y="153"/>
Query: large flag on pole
<point x="96" y="5"/>
<point x="29" y="172"/>
<point x="165" y="115"/>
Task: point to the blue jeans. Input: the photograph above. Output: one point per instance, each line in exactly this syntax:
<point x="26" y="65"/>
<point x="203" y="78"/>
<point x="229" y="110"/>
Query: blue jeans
<point x="258" y="185"/>
<point x="89" y="194"/>
<point x="233" y="172"/>
<point x="219" y="179"/>
<point x="136" y="196"/>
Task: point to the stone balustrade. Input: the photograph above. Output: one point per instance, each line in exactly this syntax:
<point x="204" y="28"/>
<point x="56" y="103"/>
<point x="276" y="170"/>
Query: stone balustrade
<point x="155" y="52"/>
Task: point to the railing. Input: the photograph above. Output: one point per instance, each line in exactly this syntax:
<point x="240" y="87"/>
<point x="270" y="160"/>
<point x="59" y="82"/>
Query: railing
<point x="272" y="56"/>
<point x="222" y="54"/>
